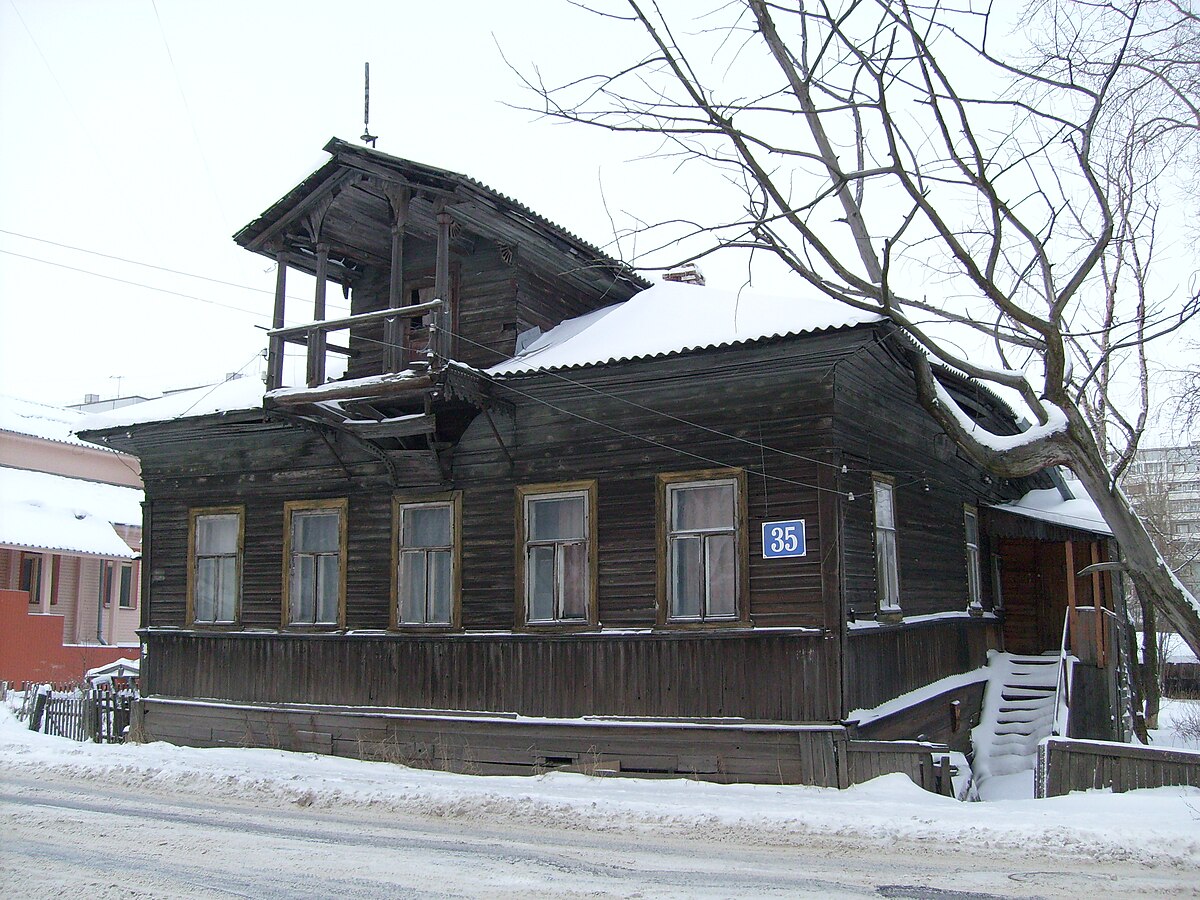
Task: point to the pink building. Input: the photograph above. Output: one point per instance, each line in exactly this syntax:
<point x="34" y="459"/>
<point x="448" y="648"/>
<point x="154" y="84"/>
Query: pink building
<point x="70" y="541"/>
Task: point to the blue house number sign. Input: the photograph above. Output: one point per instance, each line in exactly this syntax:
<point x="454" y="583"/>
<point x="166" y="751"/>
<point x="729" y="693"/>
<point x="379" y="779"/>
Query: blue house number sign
<point x="782" y="539"/>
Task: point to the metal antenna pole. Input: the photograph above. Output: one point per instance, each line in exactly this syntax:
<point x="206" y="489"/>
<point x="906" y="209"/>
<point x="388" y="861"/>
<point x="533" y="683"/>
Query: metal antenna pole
<point x="367" y="137"/>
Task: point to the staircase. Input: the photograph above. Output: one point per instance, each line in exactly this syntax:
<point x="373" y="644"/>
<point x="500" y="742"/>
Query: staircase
<point x="1019" y="706"/>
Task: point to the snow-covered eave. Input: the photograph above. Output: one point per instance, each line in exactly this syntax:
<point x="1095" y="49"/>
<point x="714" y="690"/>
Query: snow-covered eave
<point x="1052" y="517"/>
<point x="114" y="552"/>
<point x="77" y="441"/>
<point x="497" y="373"/>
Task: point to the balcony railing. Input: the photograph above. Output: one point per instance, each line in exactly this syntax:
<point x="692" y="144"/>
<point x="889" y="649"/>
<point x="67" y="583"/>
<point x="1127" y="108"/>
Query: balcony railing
<point x="314" y="337"/>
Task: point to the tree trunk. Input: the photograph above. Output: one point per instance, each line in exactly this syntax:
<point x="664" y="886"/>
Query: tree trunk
<point x="1151" y="684"/>
<point x="1143" y="563"/>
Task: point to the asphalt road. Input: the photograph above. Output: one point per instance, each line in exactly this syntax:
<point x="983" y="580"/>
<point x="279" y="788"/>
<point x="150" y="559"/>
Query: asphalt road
<point x="65" y="838"/>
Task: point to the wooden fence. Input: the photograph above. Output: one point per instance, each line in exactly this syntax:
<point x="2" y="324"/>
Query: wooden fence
<point x="1181" y="679"/>
<point x="1065" y="765"/>
<point x="928" y="765"/>
<point x="97" y="715"/>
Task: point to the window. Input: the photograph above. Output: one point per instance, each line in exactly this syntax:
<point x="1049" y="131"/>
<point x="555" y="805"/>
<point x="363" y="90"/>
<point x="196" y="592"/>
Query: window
<point x="314" y="586"/>
<point x="557" y="553"/>
<point x="887" y="577"/>
<point x="426" y="566"/>
<point x="106" y="581"/>
<point x="215" y="565"/>
<point x="974" y="585"/>
<point x="125" y="597"/>
<point x="31" y="576"/>
<point x="702" y="546"/>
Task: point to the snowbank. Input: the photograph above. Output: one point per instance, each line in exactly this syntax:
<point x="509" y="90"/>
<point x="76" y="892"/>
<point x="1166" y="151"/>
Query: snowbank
<point x="1157" y="825"/>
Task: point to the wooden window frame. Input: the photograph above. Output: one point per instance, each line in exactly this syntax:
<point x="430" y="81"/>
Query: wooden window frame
<point x="662" y="511"/>
<point x="526" y="492"/>
<point x="892" y="609"/>
<point x="453" y="499"/>
<point x="974" y="559"/>
<point x="197" y="513"/>
<point x="290" y="508"/>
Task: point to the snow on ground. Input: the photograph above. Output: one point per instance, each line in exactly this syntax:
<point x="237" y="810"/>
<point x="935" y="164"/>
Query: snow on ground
<point x="1161" y="825"/>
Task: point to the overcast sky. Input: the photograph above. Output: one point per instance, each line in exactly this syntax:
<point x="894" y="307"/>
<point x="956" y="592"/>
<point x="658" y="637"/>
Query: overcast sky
<point x="152" y="131"/>
<point x="142" y="133"/>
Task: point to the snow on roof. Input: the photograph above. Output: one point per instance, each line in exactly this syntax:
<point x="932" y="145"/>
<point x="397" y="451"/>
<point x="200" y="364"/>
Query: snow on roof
<point x="53" y="512"/>
<point x="51" y="423"/>
<point x="118" y="668"/>
<point x="672" y="318"/>
<point x="1049" y="506"/>
<point x="225" y="396"/>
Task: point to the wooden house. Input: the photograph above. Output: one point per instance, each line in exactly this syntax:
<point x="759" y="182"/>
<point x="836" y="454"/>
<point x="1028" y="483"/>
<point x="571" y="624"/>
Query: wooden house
<point x="550" y="515"/>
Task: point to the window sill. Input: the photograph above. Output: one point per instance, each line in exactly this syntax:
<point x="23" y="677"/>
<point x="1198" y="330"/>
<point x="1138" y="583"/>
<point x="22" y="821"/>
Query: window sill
<point x="705" y="624"/>
<point x="414" y="628"/>
<point x="556" y="627"/>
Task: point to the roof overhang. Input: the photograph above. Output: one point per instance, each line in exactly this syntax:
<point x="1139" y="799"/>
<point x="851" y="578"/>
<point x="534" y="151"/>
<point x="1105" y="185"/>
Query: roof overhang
<point x="351" y="195"/>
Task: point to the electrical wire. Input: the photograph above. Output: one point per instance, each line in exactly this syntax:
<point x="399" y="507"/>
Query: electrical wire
<point x="251" y="312"/>
<point x="157" y="268"/>
<point x="149" y="287"/>
<point x="188" y="110"/>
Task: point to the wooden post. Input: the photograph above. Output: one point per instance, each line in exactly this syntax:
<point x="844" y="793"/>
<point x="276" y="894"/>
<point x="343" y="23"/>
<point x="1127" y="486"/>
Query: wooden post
<point x="1069" y="547"/>
<point x="1098" y="601"/>
<point x="316" y="337"/>
<point x="45" y="582"/>
<point x="393" y="330"/>
<point x="39" y="707"/>
<point x="444" y="318"/>
<point x="275" y="346"/>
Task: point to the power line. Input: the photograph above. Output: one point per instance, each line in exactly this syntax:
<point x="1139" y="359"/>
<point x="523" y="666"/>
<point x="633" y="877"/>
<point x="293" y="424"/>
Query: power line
<point x="252" y="312"/>
<point x="188" y="110"/>
<point x="146" y="265"/>
<point x="658" y="412"/>
<point x="638" y="437"/>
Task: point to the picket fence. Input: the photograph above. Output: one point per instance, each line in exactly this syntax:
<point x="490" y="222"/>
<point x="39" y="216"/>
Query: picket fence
<point x="99" y="715"/>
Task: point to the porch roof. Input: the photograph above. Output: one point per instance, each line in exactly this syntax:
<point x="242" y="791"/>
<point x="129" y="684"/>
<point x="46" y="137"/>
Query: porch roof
<point x="46" y="512"/>
<point x="1049" y="506"/>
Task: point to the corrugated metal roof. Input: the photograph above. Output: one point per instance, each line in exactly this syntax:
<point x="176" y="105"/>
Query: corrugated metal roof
<point x="672" y="318"/>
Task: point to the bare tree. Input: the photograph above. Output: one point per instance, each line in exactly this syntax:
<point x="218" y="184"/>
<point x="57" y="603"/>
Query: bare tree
<point x="957" y="171"/>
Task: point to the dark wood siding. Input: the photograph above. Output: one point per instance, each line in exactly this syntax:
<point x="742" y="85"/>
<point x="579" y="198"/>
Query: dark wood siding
<point x="885" y="662"/>
<point x="772" y="676"/>
<point x="880" y="425"/>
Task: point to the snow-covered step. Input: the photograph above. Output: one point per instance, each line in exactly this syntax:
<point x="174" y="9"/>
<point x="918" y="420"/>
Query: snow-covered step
<point x="1018" y="711"/>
